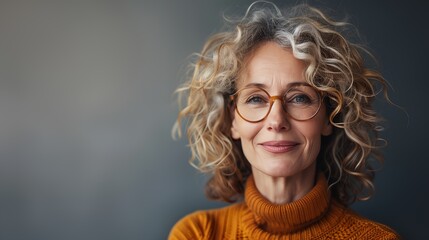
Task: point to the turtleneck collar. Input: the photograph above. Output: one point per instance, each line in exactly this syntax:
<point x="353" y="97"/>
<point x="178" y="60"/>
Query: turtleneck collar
<point x="264" y="216"/>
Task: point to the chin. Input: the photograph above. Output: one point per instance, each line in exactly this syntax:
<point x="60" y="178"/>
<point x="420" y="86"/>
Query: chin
<point x="278" y="171"/>
<point x="283" y="169"/>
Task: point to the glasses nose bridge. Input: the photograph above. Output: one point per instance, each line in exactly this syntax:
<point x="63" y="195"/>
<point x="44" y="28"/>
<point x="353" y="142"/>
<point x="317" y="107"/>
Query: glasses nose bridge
<point x="273" y="99"/>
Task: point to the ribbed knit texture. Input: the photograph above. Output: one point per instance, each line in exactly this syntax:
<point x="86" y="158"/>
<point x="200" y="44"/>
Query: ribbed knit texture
<point x="315" y="216"/>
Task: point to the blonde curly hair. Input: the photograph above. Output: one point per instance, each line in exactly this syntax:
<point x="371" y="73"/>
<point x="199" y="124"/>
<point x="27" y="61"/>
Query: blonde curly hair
<point x="335" y="67"/>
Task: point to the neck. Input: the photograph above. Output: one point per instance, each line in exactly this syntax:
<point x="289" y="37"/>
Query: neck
<point x="285" y="189"/>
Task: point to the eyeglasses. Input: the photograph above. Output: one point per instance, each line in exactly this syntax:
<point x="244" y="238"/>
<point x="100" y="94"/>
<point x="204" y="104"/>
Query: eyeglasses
<point x="253" y="104"/>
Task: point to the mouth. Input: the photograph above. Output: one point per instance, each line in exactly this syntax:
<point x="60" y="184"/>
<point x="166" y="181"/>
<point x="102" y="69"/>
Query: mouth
<point x="279" y="146"/>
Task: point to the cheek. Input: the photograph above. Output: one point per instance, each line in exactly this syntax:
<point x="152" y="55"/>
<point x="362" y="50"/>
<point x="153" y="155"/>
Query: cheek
<point x="248" y="131"/>
<point x="313" y="133"/>
<point x="313" y="147"/>
<point x="245" y="131"/>
<point x="313" y="136"/>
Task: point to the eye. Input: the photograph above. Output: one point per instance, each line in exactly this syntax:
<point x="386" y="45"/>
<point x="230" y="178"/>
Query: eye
<point x="301" y="96"/>
<point x="301" y="99"/>
<point x="256" y="100"/>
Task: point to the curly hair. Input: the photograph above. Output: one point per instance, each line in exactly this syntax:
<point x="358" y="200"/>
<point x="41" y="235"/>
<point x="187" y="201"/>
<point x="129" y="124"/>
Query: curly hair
<point x="334" y="66"/>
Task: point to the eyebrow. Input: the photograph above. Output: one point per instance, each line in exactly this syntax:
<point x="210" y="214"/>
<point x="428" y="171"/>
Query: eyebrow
<point x="289" y="85"/>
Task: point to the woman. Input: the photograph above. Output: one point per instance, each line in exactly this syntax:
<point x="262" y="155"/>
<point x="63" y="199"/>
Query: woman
<point x="280" y="113"/>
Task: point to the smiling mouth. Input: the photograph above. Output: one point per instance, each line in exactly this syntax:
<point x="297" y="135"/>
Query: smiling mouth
<point x="279" y="146"/>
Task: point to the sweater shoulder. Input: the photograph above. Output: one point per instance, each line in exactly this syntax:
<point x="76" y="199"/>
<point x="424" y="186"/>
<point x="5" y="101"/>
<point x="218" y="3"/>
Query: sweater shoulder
<point x="368" y="229"/>
<point x="204" y="224"/>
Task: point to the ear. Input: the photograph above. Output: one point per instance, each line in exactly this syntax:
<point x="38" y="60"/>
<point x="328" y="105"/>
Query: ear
<point x="327" y="128"/>
<point x="234" y="131"/>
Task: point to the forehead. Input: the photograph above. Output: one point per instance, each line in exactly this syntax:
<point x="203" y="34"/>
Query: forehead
<point x="271" y="65"/>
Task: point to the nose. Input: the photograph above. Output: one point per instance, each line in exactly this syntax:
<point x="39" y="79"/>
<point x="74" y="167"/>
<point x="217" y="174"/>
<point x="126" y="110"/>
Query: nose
<point x="277" y="119"/>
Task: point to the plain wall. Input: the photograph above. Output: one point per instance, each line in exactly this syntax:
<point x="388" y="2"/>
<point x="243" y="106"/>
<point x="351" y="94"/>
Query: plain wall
<point x="87" y="106"/>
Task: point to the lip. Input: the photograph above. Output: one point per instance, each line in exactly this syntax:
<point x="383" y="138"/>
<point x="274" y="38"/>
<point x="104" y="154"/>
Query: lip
<point x="279" y="146"/>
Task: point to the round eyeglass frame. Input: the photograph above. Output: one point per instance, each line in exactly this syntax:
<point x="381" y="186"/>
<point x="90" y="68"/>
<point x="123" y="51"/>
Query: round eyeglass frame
<point x="272" y="99"/>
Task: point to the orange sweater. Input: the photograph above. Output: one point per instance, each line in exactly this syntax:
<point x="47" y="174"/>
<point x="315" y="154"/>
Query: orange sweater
<point x="315" y="216"/>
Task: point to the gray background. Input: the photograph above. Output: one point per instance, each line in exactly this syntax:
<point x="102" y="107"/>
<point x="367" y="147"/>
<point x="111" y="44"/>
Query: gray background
<point x="87" y="106"/>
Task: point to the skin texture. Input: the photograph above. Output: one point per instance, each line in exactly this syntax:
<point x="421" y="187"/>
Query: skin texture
<point x="282" y="151"/>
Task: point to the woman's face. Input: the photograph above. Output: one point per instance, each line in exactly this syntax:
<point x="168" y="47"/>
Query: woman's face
<point x="278" y="146"/>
